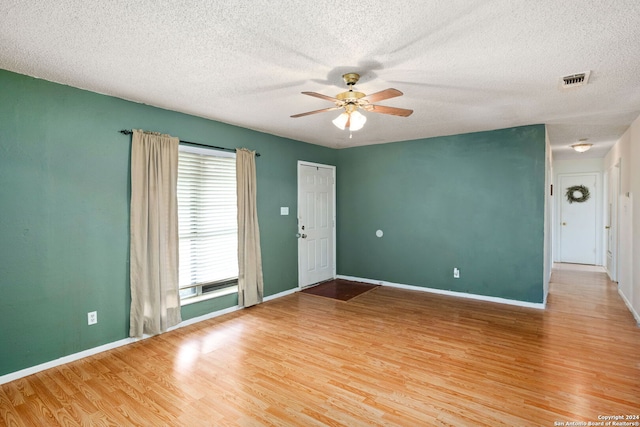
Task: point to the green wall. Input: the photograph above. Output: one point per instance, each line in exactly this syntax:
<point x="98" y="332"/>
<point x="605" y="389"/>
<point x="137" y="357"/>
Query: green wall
<point x="64" y="207"/>
<point x="473" y="201"/>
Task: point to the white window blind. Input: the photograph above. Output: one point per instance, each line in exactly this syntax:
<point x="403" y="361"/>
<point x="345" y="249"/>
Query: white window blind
<point x="207" y="219"/>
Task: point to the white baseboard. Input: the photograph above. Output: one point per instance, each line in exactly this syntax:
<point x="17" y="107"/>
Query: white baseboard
<point x="66" y="359"/>
<point x="281" y="294"/>
<point x="110" y="346"/>
<point x="539" y="306"/>
<point x="629" y="306"/>
<point x="202" y="318"/>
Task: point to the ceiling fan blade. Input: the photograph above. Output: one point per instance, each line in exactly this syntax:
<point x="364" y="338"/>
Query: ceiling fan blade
<point x="315" y="112"/>
<point x="390" y="110"/>
<point x="321" y="96"/>
<point x="383" y="94"/>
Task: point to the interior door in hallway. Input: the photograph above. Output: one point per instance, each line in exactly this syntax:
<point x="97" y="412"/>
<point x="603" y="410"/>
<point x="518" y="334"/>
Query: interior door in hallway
<point x="611" y="221"/>
<point x="316" y="223"/>
<point x="578" y="220"/>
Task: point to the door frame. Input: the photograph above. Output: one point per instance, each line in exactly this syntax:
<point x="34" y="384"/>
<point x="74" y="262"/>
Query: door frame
<point x="333" y="214"/>
<point x="612" y="174"/>
<point x="597" y="194"/>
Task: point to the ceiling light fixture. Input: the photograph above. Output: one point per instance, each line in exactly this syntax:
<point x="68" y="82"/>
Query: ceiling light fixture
<point x="351" y="118"/>
<point x="341" y="121"/>
<point x="357" y="120"/>
<point x="582" y="145"/>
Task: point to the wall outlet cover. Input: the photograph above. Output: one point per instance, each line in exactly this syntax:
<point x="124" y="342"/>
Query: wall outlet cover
<point x="92" y="317"/>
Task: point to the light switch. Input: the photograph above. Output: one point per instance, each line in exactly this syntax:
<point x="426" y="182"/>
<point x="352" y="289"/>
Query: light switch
<point x="284" y="210"/>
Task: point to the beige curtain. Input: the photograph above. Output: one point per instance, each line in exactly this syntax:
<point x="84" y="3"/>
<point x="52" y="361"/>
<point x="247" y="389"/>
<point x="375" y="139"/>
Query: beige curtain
<point x="250" y="283"/>
<point x="155" y="302"/>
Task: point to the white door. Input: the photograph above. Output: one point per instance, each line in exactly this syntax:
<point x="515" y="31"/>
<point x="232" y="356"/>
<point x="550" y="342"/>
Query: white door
<point x="611" y="221"/>
<point x="316" y="223"/>
<point x="578" y="220"/>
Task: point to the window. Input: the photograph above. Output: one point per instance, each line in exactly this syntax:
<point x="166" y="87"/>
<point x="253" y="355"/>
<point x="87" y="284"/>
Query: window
<point x="207" y="223"/>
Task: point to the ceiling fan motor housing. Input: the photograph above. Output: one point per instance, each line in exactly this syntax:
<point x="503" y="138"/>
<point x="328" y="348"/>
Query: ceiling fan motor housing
<point x="350" y="97"/>
<point x="351" y="78"/>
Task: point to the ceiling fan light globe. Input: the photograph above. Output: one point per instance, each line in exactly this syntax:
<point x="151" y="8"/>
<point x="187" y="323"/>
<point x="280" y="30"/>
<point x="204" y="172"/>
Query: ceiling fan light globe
<point x="341" y="121"/>
<point x="357" y="121"/>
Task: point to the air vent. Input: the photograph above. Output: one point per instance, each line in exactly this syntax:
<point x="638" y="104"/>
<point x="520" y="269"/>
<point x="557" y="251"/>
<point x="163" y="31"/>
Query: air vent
<point x="574" y="80"/>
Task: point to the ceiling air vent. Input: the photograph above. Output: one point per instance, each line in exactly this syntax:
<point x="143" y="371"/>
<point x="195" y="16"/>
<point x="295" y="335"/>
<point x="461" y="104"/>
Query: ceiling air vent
<point x="575" y="80"/>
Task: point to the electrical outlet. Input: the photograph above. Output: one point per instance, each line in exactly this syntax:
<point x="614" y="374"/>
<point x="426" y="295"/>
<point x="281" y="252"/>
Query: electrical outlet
<point x="456" y="273"/>
<point x="92" y="317"/>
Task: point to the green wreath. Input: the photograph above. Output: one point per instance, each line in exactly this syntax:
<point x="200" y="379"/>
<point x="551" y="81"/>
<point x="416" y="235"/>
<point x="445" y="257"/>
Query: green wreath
<point x="584" y="194"/>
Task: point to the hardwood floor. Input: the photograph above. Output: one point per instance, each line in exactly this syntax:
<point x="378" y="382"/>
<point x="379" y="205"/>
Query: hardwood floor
<point x="388" y="357"/>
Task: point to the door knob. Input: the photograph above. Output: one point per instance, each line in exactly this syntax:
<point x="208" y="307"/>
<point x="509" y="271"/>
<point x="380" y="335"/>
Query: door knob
<point x="607" y="227"/>
<point x="304" y="236"/>
<point x="564" y="223"/>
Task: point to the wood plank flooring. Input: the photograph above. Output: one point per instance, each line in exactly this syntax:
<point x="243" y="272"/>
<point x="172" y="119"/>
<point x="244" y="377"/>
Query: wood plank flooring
<point x="389" y="357"/>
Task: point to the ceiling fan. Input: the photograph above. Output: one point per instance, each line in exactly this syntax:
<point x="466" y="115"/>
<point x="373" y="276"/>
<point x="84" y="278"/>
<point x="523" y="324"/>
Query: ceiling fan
<point x="351" y="101"/>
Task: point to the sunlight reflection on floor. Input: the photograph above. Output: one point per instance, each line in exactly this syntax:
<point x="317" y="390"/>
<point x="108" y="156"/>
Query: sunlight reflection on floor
<point x="221" y="336"/>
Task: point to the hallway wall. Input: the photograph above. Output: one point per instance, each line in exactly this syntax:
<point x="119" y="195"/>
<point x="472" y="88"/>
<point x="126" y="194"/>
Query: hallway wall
<point x="626" y="153"/>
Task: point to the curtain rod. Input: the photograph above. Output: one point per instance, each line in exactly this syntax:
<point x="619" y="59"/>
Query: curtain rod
<point x="130" y="132"/>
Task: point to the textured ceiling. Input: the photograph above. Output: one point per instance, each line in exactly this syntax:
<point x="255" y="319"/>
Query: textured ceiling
<point x="464" y="66"/>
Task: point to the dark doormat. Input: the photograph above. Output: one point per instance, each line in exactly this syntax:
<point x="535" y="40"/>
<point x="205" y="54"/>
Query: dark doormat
<point x="340" y="289"/>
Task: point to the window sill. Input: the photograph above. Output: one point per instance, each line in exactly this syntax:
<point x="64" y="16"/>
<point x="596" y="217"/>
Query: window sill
<point x="210" y="295"/>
